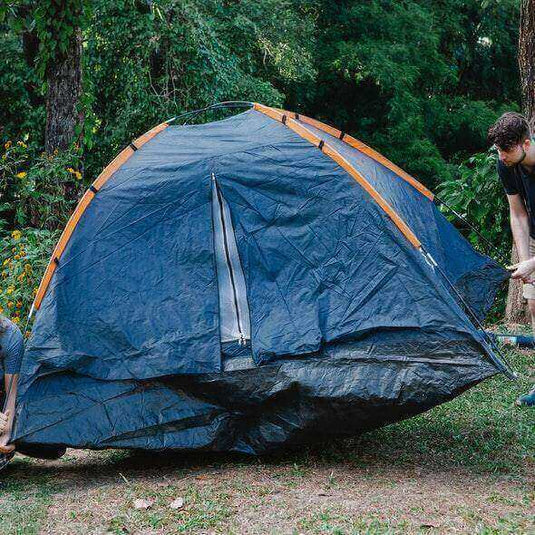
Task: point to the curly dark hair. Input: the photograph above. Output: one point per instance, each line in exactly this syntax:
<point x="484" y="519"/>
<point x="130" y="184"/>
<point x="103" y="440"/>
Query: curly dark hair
<point x="509" y="130"/>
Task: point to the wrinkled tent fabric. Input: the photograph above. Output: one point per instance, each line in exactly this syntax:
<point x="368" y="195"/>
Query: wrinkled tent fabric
<point x="350" y="328"/>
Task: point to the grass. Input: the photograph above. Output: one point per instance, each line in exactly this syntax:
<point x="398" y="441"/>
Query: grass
<point x="467" y="466"/>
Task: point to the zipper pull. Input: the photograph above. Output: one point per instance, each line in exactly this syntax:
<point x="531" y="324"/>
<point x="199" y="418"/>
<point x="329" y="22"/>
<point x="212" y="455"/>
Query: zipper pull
<point x="242" y="341"/>
<point x="213" y="177"/>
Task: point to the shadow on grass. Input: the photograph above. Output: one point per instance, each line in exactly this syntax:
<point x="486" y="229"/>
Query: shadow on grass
<point x="480" y="432"/>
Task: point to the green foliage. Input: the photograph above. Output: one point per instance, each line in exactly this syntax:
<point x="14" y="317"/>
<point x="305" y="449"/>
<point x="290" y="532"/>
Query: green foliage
<point x="477" y="194"/>
<point x="37" y="190"/>
<point x="21" y="104"/>
<point x="23" y="259"/>
<point x="417" y="79"/>
<point x="151" y="61"/>
<point x="55" y="23"/>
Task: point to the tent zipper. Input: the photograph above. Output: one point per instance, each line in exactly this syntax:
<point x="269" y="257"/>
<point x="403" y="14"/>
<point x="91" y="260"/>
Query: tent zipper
<point x="225" y="226"/>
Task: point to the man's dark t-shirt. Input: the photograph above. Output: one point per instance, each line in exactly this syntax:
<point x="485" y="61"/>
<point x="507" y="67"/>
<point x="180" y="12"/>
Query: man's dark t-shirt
<point x="518" y="180"/>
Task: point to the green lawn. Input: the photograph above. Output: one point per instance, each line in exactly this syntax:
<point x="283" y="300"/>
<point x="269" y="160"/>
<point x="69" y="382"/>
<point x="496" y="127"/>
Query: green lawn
<point x="464" y="467"/>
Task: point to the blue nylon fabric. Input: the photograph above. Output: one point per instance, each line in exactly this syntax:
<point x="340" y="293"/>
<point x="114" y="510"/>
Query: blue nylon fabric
<point x="350" y="389"/>
<point x="135" y="293"/>
<point x="125" y="350"/>
<point x="322" y="260"/>
<point x="475" y="275"/>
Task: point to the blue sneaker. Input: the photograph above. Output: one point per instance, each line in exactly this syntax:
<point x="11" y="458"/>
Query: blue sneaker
<point x="527" y="400"/>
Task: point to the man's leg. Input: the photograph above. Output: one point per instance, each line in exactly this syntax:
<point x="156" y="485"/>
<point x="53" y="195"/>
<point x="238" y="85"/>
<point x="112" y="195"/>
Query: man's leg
<point x="531" y="306"/>
<point x="528" y="400"/>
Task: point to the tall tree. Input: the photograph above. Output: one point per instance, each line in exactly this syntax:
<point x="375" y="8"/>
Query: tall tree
<point x="526" y="58"/>
<point x="516" y="310"/>
<point x="64" y="88"/>
<point x="59" y="23"/>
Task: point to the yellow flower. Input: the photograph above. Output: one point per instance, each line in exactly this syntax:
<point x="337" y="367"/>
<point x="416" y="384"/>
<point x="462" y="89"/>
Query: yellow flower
<point x="35" y="290"/>
<point x="71" y="170"/>
<point x="6" y="261"/>
<point x="16" y="235"/>
<point x="16" y="320"/>
<point x="20" y="278"/>
<point x="22" y="144"/>
<point x="4" y="274"/>
<point x="7" y="145"/>
<point x="22" y="174"/>
<point x="78" y="175"/>
<point x="27" y="268"/>
<point x="19" y="304"/>
<point x="10" y="290"/>
<point x="9" y="304"/>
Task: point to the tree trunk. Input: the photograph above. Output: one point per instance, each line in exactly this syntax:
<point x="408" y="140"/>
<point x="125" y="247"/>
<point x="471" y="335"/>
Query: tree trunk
<point x="526" y="58"/>
<point x="64" y="80"/>
<point x="516" y="310"/>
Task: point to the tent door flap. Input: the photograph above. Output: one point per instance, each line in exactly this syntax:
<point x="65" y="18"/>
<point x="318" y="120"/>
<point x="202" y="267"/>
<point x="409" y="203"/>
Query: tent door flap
<point x="233" y="308"/>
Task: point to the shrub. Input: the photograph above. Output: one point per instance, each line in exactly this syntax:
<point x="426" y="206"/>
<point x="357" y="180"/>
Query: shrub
<point x="477" y="194"/>
<point x="23" y="259"/>
<point x="38" y="190"/>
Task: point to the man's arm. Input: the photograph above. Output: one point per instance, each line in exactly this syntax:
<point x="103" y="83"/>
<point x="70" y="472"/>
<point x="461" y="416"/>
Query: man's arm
<point x="520" y="229"/>
<point x="11" y="382"/>
<point x="519" y="226"/>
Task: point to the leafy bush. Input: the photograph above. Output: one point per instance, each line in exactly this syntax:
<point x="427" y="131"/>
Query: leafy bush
<point x="477" y="194"/>
<point x="23" y="259"/>
<point x="38" y="190"/>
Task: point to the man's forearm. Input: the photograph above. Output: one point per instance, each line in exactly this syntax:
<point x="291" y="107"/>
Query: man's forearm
<point x="520" y="230"/>
<point x="11" y="383"/>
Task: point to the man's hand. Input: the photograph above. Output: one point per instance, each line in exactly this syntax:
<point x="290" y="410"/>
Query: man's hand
<point x="5" y="433"/>
<point x="4" y="422"/>
<point x="524" y="270"/>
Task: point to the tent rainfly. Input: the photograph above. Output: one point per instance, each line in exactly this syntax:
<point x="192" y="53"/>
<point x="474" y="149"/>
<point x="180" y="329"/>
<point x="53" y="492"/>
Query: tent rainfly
<point x="251" y="283"/>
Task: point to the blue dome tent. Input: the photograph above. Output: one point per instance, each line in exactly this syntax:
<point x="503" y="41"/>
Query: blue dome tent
<point x="254" y="282"/>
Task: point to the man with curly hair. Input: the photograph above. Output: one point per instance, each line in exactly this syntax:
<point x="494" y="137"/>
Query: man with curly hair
<point x="11" y="353"/>
<point x="511" y="136"/>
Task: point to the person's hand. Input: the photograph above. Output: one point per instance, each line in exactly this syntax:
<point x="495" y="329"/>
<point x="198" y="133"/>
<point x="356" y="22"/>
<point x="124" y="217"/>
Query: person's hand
<point x="8" y="448"/>
<point x="5" y="433"/>
<point x="4" y="422"/>
<point x="524" y="270"/>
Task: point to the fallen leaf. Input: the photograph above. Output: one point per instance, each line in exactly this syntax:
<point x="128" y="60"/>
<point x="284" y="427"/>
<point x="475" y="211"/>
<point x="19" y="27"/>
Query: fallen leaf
<point x="177" y="504"/>
<point x="143" y="504"/>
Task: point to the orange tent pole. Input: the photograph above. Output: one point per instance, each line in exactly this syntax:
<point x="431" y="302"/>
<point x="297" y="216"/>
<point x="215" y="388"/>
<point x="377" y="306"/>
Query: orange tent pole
<point x="362" y="147"/>
<point x="342" y="162"/>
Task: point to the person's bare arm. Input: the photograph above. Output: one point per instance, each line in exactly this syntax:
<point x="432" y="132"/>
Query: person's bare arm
<point x="520" y="228"/>
<point x="11" y="382"/>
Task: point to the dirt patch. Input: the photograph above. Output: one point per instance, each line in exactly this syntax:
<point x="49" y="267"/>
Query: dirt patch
<point x="95" y="493"/>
